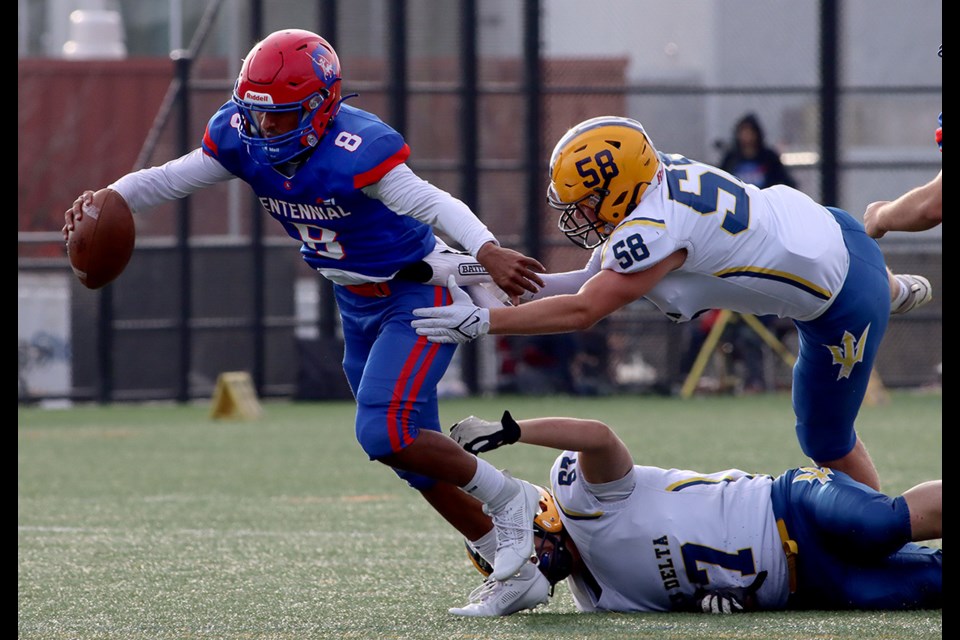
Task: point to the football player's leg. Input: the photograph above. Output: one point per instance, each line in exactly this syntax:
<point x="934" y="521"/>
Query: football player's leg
<point x="837" y="353"/>
<point x="853" y="518"/>
<point x="830" y="578"/>
<point x="855" y="545"/>
<point x="397" y="404"/>
<point x="396" y="396"/>
<point x="926" y="510"/>
<point x="826" y="407"/>
<point x="397" y="424"/>
<point x="457" y="507"/>
<point x="911" y="578"/>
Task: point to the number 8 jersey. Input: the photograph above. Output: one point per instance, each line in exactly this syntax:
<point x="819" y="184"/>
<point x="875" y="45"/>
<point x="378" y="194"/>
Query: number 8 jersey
<point x="771" y="251"/>
<point x="347" y="235"/>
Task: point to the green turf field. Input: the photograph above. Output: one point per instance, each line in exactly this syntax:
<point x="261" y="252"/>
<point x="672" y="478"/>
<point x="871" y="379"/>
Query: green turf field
<point x="153" y="522"/>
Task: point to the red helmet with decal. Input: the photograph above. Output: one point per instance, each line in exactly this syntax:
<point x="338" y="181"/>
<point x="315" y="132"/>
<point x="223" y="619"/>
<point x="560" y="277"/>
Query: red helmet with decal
<point x="293" y="73"/>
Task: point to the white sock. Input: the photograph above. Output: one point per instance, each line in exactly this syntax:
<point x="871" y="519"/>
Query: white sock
<point x="486" y="546"/>
<point x="901" y="295"/>
<point x="488" y="482"/>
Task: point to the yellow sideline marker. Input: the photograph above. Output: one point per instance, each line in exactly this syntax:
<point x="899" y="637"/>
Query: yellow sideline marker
<point x="235" y="397"/>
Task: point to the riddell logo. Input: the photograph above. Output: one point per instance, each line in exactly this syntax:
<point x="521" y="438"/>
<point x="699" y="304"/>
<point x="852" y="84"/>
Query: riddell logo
<point x="260" y="98"/>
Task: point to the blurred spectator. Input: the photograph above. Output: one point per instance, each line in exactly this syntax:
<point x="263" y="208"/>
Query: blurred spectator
<point x="749" y="158"/>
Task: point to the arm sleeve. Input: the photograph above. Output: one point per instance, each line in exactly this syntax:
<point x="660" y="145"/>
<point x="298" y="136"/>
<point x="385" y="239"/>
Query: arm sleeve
<point x="568" y="282"/>
<point x="409" y="195"/>
<point x="176" y="179"/>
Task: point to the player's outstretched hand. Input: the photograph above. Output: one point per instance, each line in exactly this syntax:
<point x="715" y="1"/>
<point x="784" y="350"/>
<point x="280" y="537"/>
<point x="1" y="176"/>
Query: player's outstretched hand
<point x="730" y="599"/>
<point x="512" y="271"/>
<point x="871" y="219"/>
<point x="72" y="215"/>
<point x="457" y="323"/>
<point x="479" y="436"/>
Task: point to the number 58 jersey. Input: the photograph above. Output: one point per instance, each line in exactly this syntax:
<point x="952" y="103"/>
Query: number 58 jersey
<point x="650" y="539"/>
<point x="770" y="251"/>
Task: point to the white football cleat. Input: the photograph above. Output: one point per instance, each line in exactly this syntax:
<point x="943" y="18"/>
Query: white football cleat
<point x="526" y="590"/>
<point x="918" y="290"/>
<point x="514" y="525"/>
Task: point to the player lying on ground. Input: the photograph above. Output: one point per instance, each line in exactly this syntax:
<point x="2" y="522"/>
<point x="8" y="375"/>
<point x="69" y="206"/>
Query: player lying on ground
<point x="634" y="538"/>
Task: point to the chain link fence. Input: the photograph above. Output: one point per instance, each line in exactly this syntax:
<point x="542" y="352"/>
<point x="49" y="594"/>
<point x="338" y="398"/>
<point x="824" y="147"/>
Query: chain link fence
<point x="847" y="92"/>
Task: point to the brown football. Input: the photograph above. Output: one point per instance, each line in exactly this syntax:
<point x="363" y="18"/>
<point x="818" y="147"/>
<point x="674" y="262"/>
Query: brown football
<point x="101" y="243"/>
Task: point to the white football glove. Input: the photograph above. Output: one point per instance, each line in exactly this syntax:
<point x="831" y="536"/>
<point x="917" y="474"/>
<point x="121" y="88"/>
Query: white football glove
<point x="479" y="436"/>
<point x="464" y="267"/>
<point x="716" y="603"/>
<point x="730" y="599"/>
<point x="459" y="322"/>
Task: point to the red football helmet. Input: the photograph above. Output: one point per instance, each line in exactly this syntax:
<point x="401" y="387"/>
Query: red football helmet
<point x="289" y="72"/>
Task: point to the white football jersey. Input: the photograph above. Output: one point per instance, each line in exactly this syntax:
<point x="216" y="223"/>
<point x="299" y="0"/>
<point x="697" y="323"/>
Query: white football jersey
<point x="648" y="547"/>
<point x="761" y="251"/>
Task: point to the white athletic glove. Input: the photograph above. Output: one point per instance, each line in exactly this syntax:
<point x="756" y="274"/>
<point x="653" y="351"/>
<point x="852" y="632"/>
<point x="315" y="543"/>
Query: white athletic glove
<point x="459" y="322"/>
<point x="718" y="603"/>
<point x="479" y="436"/>
<point x="730" y="599"/>
<point x="446" y="262"/>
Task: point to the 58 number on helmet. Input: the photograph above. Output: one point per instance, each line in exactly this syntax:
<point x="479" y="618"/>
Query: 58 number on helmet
<point x="606" y="166"/>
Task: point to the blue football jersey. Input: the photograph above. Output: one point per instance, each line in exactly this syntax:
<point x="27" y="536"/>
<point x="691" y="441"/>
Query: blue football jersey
<point x="322" y="205"/>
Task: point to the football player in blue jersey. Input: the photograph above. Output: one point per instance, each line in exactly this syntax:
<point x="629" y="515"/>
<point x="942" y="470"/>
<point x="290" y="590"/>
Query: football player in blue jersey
<point x="636" y="538"/>
<point x="335" y="177"/>
<point x="689" y="237"/>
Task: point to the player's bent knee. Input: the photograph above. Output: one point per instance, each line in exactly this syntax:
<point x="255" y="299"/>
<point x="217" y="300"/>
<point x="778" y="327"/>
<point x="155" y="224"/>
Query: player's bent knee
<point x="416" y="481"/>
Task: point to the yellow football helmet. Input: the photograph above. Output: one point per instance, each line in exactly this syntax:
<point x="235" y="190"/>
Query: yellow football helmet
<point x="599" y="170"/>
<point x="555" y="560"/>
